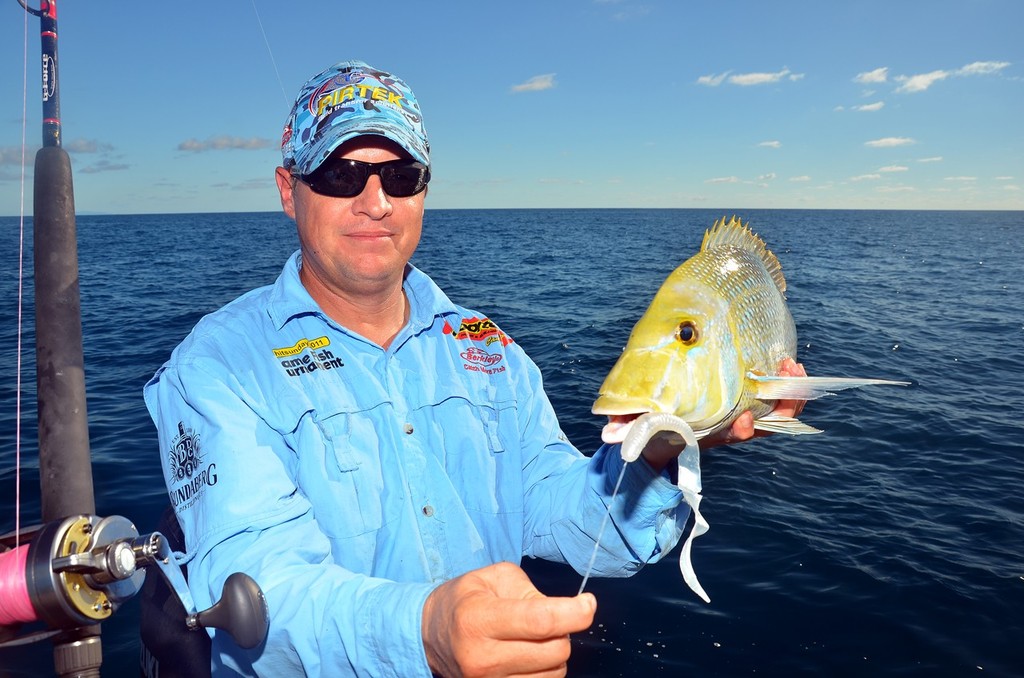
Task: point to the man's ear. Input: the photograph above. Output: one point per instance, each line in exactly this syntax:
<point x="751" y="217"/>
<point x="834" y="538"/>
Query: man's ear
<point x="286" y="187"/>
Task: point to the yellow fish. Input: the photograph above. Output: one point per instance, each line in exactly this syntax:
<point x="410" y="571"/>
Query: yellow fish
<point x="710" y="345"/>
<point x="707" y="349"/>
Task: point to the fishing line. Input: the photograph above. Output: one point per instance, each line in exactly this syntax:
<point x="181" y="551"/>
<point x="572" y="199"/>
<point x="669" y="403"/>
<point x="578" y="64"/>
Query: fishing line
<point x="271" y="52"/>
<point x="15" y="603"/>
<point x="21" y="280"/>
<point x="600" y="531"/>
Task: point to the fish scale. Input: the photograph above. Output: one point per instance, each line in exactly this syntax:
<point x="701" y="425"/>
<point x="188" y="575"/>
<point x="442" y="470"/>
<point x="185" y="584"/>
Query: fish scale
<point x="765" y="333"/>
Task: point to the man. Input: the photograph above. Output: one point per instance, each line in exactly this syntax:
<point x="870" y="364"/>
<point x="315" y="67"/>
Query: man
<point x="323" y="435"/>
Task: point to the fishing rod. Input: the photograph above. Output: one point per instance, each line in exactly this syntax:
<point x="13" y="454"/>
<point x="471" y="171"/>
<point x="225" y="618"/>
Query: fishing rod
<point x="75" y="569"/>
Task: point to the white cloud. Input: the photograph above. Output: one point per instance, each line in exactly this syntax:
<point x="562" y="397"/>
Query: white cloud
<point x="87" y="146"/>
<point x="877" y="106"/>
<point x="749" y="79"/>
<point x="225" y="142"/>
<point x="866" y="177"/>
<point x="561" y="181"/>
<point x="919" y="83"/>
<point x="104" y="166"/>
<point x="893" y="168"/>
<point x="889" y="142"/>
<point x="536" y="84"/>
<point x="723" y="180"/>
<point x="934" y="158"/>
<point x="983" y="68"/>
<point x="767" y="177"/>
<point x="1005" y="178"/>
<point x="11" y="155"/>
<point x="877" y="75"/>
<point x="967" y="179"/>
<point x="770" y="144"/>
<point x="802" y="177"/>
<point x="712" y="80"/>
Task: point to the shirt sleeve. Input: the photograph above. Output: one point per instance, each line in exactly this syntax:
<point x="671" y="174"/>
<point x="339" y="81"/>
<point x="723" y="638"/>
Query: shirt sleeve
<point x="231" y="479"/>
<point x="568" y="495"/>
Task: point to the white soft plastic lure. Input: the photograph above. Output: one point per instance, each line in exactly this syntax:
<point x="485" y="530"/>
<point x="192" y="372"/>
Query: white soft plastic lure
<point x="688" y="481"/>
<point x="640" y="432"/>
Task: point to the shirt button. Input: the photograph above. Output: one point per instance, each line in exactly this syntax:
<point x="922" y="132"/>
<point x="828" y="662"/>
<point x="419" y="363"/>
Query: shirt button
<point x="407" y="428"/>
<point x="428" y="510"/>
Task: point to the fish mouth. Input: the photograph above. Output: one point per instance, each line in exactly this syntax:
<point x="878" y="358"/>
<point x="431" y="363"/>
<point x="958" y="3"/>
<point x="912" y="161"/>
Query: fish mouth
<point x="618" y="426"/>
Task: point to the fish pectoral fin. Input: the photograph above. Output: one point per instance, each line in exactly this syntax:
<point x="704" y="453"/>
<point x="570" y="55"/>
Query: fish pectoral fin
<point x="774" y="423"/>
<point x="808" y="388"/>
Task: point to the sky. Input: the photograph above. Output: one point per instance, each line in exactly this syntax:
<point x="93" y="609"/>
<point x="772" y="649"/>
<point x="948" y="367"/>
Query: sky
<point x="875" y="104"/>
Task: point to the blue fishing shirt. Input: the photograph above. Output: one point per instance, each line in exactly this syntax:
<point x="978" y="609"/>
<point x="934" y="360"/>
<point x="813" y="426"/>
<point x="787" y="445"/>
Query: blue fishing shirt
<point x="349" y="480"/>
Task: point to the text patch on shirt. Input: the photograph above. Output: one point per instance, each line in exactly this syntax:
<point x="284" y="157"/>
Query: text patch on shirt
<point x="189" y="476"/>
<point x="478" y="329"/>
<point x="307" y="356"/>
<point x="483" y="330"/>
<point x="479" y="360"/>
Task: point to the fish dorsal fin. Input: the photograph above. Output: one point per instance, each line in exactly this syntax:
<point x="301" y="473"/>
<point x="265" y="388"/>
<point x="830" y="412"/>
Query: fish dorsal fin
<point x="737" y="234"/>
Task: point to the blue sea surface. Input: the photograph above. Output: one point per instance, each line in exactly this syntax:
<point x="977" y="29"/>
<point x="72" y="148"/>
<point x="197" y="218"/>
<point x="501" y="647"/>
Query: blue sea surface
<point x="890" y="545"/>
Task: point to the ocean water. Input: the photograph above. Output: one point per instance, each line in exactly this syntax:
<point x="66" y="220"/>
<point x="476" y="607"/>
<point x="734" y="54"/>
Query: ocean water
<point x="891" y="545"/>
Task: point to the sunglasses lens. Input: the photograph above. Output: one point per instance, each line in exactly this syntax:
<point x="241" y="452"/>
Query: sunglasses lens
<point x="402" y="181"/>
<point x="341" y="180"/>
<point x="347" y="178"/>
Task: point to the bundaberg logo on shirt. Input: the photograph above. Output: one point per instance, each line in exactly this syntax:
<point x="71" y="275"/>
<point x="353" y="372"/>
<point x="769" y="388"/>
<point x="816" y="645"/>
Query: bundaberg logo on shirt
<point x="307" y="356"/>
<point x="189" y="476"/>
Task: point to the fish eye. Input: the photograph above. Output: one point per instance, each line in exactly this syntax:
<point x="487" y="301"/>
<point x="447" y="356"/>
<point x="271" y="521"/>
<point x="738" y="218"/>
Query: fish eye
<point x="688" y="333"/>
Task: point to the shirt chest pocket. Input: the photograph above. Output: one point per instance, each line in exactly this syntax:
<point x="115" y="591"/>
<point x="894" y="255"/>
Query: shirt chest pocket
<point x="481" y="453"/>
<point x="342" y="474"/>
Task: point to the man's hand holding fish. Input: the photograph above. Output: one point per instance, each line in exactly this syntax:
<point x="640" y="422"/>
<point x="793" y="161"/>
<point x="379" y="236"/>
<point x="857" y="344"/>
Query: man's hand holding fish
<point x="665" y="447"/>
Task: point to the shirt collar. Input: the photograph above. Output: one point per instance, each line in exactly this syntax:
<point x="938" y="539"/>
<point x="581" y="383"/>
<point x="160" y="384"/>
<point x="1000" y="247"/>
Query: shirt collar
<point x="289" y="298"/>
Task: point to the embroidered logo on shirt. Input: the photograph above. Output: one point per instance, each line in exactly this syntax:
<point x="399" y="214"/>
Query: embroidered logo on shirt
<point x="305" y="357"/>
<point x="300" y="346"/>
<point x="479" y="360"/>
<point x="478" y="329"/>
<point x="189" y="477"/>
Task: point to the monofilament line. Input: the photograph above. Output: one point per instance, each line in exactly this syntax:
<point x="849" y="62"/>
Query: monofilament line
<point x="21" y="289"/>
<point x="600" y="531"/>
<point x="271" y="52"/>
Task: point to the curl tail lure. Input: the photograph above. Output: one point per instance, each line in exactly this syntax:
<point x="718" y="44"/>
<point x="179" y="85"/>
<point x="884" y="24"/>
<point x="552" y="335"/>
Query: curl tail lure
<point x="688" y="481"/>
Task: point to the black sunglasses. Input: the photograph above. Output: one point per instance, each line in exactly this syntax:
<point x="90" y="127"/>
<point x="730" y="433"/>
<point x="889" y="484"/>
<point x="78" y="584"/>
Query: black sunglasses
<point x="345" y="178"/>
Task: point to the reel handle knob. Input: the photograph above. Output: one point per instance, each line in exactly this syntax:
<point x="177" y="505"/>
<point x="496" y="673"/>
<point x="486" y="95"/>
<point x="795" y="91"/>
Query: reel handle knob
<point x="241" y="611"/>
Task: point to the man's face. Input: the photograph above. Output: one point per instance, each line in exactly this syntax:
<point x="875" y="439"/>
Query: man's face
<point x="356" y="246"/>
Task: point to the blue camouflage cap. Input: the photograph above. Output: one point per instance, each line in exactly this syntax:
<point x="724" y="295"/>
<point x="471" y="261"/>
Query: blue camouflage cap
<point x="348" y="100"/>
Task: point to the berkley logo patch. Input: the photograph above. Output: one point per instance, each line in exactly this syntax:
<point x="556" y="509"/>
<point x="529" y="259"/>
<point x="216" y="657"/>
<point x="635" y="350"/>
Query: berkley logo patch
<point x="478" y="329"/>
<point x="189" y="476"/>
<point x="307" y="356"/>
<point x="478" y="356"/>
<point x="479" y="360"/>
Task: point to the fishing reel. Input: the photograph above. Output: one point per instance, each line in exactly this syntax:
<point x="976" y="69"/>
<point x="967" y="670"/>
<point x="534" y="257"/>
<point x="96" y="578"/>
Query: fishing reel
<point x="78" y="571"/>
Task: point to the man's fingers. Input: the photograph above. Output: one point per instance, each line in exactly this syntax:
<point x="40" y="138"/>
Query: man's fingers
<point x="791" y="408"/>
<point x="536" y="658"/>
<point x="542" y="618"/>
